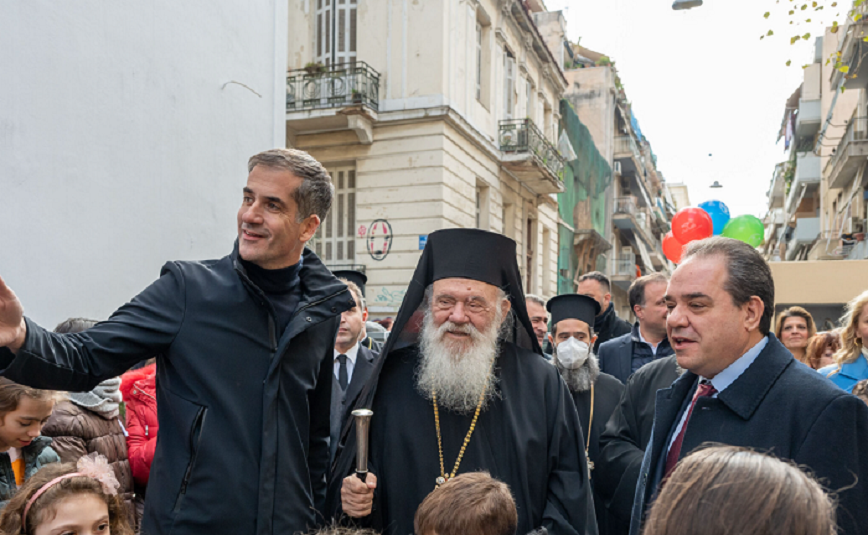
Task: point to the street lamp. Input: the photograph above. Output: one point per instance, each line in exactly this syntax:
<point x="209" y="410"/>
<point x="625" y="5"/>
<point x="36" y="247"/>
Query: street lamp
<point x="678" y="5"/>
<point x="716" y="185"/>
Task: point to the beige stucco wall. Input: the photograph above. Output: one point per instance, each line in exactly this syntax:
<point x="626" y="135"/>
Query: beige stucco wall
<point x="819" y="282"/>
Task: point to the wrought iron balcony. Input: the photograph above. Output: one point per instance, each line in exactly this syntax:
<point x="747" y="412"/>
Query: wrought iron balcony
<point x="625" y="205"/>
<point x="336" y="86"/>
<point x="850" y="154"/>
<point x="522" y="137"/>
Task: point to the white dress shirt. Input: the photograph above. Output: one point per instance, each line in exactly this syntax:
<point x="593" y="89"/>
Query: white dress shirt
<point x="351" y="362"/>
<point x="725" y="378"/>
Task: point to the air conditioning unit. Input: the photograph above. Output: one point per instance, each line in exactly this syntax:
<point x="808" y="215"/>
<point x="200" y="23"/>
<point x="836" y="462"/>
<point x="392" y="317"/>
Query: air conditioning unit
<point x="617" y="168"/>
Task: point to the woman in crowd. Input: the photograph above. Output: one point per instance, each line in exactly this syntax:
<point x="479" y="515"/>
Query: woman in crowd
<point x="795" y="327"/>
<point x="89" y="422"/>
<point x="725" y="489"/>
<point x="23" y="451"/>
<point x="821" y="349"/>
<point x="851" y="361"/>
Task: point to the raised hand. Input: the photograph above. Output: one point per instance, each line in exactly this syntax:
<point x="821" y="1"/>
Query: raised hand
<point x="12" y="326"/>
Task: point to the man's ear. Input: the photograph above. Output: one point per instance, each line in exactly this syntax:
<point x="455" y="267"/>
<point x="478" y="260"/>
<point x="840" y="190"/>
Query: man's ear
<point x="308" y="227"/>
<point x="753" y="310"/>
<point x="365" y="315"/>
<point x="551" y="340"/>
<point x="593" y="341"/>
<point x="505" y="307"/>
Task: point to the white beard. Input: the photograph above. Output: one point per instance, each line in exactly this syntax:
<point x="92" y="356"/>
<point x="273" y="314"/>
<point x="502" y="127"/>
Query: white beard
<point x="581" y="379"/>
<point x="455" y="373"/>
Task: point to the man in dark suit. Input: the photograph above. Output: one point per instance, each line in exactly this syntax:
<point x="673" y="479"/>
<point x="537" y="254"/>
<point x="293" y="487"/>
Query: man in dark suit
<point x="353" y="364"/>
<point x="622" y="356"/>
<point x="742" y="386"/>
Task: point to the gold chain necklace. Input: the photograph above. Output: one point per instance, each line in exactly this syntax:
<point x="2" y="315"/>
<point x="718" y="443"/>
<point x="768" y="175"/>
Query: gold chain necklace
<point x="443" y="477"/>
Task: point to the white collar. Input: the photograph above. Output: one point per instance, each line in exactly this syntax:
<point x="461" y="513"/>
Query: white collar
<point x="351" y="354"/>
<point x="642" y="338"/>
<point x="732" y="372"/>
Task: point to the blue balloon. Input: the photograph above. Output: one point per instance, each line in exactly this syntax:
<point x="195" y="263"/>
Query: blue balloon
<point x="719" y="214"/>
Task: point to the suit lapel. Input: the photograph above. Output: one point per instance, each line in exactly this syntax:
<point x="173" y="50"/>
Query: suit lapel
<point x="361" y="373"/>
<point x="626" y="358"/>
<point x="666" y="410"/>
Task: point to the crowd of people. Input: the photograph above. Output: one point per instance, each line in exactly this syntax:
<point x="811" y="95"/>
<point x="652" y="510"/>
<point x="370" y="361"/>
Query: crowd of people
<point x="495" y="412"/>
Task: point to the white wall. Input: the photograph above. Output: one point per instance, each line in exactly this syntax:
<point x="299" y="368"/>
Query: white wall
<point x="120" y="147"/>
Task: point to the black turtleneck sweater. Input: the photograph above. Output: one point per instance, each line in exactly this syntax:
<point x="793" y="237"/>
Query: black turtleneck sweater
<point x="282" y="287"/>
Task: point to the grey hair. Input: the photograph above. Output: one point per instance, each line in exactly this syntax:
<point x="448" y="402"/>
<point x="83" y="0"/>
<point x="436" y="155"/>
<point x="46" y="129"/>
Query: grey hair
<point x="748" y="274"/>
<point x="535" y="299"/>
<point x="314" y="195"/>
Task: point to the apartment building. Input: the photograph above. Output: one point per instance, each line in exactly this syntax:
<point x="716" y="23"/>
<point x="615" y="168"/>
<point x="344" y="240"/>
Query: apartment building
<point x="429" y="115"/>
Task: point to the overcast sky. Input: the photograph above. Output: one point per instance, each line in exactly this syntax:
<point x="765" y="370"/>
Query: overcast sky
<point x="702" y="82"/>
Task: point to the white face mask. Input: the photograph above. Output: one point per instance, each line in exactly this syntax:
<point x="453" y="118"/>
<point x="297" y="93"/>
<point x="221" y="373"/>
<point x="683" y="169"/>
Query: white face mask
<point x="572" y="353"/>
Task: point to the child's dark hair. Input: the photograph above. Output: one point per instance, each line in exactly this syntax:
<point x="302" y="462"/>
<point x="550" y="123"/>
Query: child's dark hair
<point x="44" y="507"/>
<point x="12" y="392"/>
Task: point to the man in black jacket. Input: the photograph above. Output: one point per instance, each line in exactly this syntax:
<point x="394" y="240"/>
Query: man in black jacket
<point x="607" y="324"/>
<point x="245" y="372"/>
<point x="623" y="442"/>
<point x="742" y="386"/>
<point x="647" y="341"/>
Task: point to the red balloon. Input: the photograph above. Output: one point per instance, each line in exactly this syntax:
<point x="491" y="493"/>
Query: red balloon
<point x="672" y="248"/>
<point x="690" y="224"/>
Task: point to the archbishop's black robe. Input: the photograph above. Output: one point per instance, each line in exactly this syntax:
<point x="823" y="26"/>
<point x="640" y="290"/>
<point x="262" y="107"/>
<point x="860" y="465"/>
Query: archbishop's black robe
<point x="529" y="437"/>
<point x="607" y="394"/>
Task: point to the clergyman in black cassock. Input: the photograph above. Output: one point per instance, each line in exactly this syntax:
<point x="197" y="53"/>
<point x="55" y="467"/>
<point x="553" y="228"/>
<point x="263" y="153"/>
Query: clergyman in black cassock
<point x="527" y="436"/>
<point x="596" y="394"/>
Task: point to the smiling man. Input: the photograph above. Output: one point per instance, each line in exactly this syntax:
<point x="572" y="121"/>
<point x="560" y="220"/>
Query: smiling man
<point x="742" y="387"/>
<point x="461" y="387"/>
<point x="245" y="367"/>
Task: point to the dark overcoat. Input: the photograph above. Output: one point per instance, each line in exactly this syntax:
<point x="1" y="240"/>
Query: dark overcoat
<point x="243" y="412"/>
<point x="778" y="406"/>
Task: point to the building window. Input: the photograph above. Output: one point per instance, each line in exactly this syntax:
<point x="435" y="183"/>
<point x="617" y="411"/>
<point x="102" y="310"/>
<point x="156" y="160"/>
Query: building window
<point x="478" y="61"/>
<point x="482" y="205"/>
<point x="334" y="241"/>
<point x="528" y="89"/>
<point x="336" y="31"/>
<point x="530" y="234"/>
<point x="508" y="84"/>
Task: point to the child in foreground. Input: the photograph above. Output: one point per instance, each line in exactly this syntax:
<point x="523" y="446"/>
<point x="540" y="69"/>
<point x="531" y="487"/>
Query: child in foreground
<point x="473" y="503"/>
<point x="79" y="498"/>
<point x="23" y="412"/>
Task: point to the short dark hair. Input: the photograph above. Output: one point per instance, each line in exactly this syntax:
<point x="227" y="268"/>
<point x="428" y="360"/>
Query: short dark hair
<point x="748" y="274"/>
<point x="599" y="277"/>
<point x="473" y="503"/>
<point x="357" y="293"/>
<point x="637" y="289"/>
<point x="315" y="194"/>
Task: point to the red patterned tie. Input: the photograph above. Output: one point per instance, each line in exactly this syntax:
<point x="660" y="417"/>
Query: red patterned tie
<point x="704" y="390"/>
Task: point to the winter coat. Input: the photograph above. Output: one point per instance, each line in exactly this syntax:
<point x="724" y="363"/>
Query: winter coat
<point x="244" y="409"/>
<point x="76" y="432"/>
<point x="608" y="326"/>
<point x="849" y="374"/>
<point x="621" y="357"/>
<point x="36" y="455"/>
<point x="139" y="388"/>
<point x="779" y="406"/>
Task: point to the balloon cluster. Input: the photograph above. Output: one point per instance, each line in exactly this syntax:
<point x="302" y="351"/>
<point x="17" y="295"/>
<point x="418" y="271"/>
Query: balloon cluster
<point x="710" y="218"/>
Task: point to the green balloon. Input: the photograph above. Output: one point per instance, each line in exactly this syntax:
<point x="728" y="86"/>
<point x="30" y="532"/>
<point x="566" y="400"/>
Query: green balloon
<point x="746" y="228"/>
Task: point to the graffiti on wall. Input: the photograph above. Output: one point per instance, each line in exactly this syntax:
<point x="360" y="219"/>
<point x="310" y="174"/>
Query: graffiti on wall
<point x="379" y="239"/>
<point x="388" y="297"/>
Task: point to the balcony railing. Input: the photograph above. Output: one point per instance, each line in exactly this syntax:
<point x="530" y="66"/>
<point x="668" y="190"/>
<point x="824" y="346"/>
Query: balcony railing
<point x="522" y="135"/>
<point x="626" y="144"/>
<point x="857" y="130"/>
<point x="625" y="205"/>
<point x="335" y="86"/>
<point x="625" y="265"/>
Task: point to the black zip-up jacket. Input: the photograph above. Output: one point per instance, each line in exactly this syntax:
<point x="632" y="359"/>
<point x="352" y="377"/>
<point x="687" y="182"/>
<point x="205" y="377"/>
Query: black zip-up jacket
<point x="244" y="416"/>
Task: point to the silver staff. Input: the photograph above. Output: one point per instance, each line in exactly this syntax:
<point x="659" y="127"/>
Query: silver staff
<point x="363" y="425"/>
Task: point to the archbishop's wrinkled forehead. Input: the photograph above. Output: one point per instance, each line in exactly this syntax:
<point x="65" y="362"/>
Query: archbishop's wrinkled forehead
<point x="463" y="289"/>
